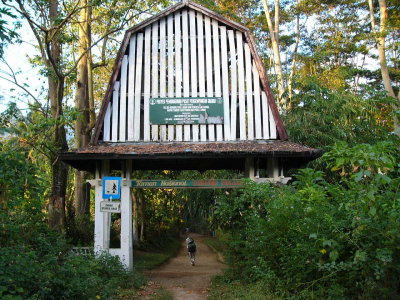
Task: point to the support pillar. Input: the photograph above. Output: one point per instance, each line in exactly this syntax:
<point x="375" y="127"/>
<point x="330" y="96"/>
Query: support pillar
<point x="273" y="168"/>
<point x="126" y="253"/>
<point x="103" y="219"/>
<point x="249" y="169"/>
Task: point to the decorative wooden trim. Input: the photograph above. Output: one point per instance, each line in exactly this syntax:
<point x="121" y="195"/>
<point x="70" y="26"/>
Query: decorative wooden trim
<point x="194" y="6"/>
<point x="107" y="96"/>
<point x="265" y="83"/>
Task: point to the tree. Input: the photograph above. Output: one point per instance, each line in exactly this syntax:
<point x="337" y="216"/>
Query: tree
<point x="7" y="34"/>
<point x="273" y="27"/>
<point x="381" y="32"/>
<point x="84" y="103"/>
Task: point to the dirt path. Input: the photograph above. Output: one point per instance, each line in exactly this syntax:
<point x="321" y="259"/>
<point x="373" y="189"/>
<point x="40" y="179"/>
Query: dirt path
<point x="181" y="279"/>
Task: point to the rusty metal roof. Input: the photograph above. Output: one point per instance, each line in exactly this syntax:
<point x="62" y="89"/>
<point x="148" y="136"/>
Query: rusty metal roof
<point x="281" y="147"/>
<point x="184" y="155"/>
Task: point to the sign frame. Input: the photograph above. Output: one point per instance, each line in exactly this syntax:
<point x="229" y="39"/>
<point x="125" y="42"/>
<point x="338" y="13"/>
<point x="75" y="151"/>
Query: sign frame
<point x="191" y="110"/>
<point x="112" y="195"/>
<point x="193" y="184"/>
<point x="110" y="206"/>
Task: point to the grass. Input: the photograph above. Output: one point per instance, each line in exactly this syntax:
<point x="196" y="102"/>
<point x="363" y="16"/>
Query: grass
<point x="221" y="290"/>
<point x="218" y="246"/>
<point x="162" y="295"/>
<point x="150" y="259"/>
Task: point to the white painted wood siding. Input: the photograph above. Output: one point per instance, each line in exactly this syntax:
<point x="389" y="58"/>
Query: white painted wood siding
<point x="188" y="54"/>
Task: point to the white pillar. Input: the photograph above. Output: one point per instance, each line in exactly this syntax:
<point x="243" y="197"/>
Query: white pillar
<point x="105" y="171"/>
<point x="126" y="253"/>
<point x="102" y="220"/>
<point x="98" y="216"/>
<point x="273" y="168"/>
<point x="249" y="169"/>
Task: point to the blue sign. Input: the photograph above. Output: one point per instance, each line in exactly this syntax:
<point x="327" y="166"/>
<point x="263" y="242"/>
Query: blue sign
<point x="112" y="187"/>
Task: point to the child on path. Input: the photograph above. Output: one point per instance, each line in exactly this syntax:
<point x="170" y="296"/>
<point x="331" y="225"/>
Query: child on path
<point x="191" y="246"/>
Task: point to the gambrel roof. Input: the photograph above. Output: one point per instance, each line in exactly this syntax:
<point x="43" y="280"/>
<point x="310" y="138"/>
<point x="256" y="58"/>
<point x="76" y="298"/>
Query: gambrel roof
<point x="188" y="51"/>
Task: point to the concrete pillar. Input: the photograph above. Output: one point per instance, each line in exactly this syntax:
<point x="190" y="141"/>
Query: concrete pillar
<point x="105" y="171"/>
<point x="249" y="170"/>
<point x="273" y="167"/>
<point x="101" y="220"/>
<point x="126" y="253"/>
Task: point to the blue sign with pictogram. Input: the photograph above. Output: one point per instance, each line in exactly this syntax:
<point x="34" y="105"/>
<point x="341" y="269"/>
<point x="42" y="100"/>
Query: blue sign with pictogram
<point x="112" y="188"/>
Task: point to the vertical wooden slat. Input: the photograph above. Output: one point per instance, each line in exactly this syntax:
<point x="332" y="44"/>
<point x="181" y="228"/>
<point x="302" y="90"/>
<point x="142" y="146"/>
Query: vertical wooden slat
<point x="272" y="124"/>
<point x="131" y="86"/>
<point x="163" y="86"/>
<point x="242" y="104"/>
<point x="193" y="65"/>
<point x="249" y="88"/>
<point x="122" y="100"/>
<point x="186" y="70"/>
<point x="138" y="87"/>
<point x="146" y="107"/>
<point x="107" y="124"/>
<point x="209" y="71"/>
<point x="217" y="70"/>
<point x="154" y="73"/>
<point x="265" y="115"/>
<point x="265" y="85"/>
<point x="232" y="52"/>
<point x="225" y="83"/>
<point x="178" y="67"/>
<point x="257" y="107"/>
<point x="202" y="82"/>
<point x="170" y="74"/>
<point x="114" y="136"/>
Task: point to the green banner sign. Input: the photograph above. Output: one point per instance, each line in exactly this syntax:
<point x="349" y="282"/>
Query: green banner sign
<point x="194" y="184"/>
<point x="186" y="110"/>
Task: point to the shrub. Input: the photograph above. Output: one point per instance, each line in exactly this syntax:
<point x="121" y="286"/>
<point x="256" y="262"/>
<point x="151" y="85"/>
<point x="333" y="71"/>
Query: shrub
<point x="328" y="239"/>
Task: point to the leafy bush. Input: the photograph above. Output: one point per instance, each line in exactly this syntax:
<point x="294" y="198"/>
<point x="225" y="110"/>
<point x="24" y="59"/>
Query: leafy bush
<point x="48" y="274"/>
<point x="37" y="263"/>
<point x="328" y="239"/>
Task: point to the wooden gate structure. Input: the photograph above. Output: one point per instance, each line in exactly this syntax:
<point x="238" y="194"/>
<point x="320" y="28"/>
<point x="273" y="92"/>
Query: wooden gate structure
<point x="188" y="91"/>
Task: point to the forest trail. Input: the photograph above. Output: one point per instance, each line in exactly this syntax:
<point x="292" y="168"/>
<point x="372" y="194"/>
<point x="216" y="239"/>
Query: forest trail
<point x="181" y="279"/>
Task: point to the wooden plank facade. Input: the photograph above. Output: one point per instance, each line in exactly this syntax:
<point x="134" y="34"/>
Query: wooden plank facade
<point x="188" y="51"/>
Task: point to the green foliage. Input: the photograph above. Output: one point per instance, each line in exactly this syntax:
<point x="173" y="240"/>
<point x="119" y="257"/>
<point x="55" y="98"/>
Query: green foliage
<point x="7" y="32"/>
<point x="36" y="263"/>
<point x="152" y="258"/>
<point x="222" y="289"/>
<point x="48" y="270"/>
<point x="321" y="117"/>
<point x="321" y="239"/>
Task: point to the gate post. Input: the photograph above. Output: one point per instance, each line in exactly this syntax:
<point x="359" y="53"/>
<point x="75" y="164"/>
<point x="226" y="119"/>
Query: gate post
<point x="101" y="220"/>
<point x="126" y="217"/>
<point x="249" y="169"/>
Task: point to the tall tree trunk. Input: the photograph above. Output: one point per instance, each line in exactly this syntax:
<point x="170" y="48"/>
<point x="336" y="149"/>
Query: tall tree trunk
<point x="82" y="134"/>
<point x="274" y="33"/>
<point x="380" y="38"/>
<point x="293" y="69"/>
<point x="56" y="207"/>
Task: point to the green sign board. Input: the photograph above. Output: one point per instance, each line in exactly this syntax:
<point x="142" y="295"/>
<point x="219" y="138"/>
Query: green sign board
<point x="194" y="184"/>
<point x="186" y="110"/>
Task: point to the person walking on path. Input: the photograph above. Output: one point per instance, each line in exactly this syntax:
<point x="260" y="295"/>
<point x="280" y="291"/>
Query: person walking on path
<point x="191" y="247"/>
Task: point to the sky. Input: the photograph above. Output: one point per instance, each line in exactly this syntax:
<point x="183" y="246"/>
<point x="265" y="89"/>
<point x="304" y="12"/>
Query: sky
<point x="16" y="56"/>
